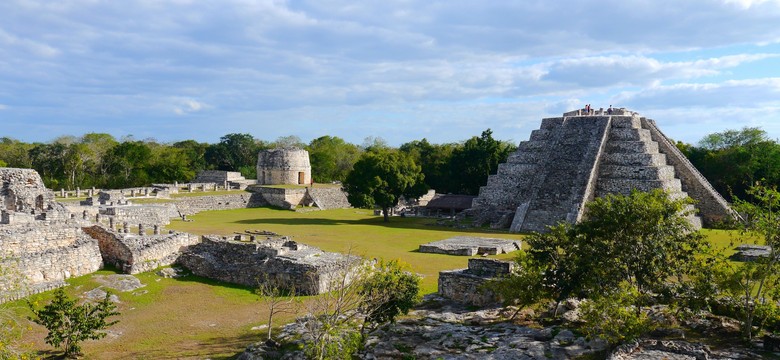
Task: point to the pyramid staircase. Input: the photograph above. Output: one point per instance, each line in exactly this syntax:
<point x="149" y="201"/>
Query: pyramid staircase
<point x="572" y="159"/>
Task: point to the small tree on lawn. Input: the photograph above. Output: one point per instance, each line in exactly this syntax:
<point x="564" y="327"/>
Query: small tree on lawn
<point x="69" y="323"/>
<point x="278" y="300"/>
<point x="380" y="178"/>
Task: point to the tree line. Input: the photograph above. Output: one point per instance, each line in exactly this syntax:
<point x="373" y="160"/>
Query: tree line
<point x="100" y="160"/>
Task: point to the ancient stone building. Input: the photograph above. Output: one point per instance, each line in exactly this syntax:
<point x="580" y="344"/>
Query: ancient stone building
<point x="579" y="156"/>
<point x="283" y="166"/>
<point x="41" y="244"/>
<point x="292" y="265"/>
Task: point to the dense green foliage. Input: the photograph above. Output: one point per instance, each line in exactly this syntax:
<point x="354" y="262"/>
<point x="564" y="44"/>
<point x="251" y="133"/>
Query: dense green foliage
<point x="735" y="160"/>
<point x="100" y="160"/>
<point x="69" y="323"/>
<point x="395" y="290"/>
<point x="380" y="179"/>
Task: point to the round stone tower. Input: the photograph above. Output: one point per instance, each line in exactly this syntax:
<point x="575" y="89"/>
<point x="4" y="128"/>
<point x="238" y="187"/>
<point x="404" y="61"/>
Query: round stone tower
<point x="283" y="166"/>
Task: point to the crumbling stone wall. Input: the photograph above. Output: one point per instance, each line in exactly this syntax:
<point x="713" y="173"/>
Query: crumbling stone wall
<point x="466" y="285"/>
<point x="309" y="270"/>
<point x="218" y="176"/>
<point x="283" y="166"/>
<point x="283" y="198"/>
<point x="148" y="215"/>
<point x="134" y="254"/>
<point x="195" y="204"/>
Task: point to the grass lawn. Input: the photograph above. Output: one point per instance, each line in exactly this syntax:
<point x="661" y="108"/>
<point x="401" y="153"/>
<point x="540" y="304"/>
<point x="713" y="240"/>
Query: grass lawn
<point x="347" y="230"/>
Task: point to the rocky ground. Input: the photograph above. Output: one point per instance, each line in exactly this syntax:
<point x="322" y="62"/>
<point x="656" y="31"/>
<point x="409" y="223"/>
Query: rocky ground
<point x="440" y="329"/>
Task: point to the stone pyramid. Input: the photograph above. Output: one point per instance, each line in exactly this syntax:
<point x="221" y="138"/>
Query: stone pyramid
<point x="572" y="159"/>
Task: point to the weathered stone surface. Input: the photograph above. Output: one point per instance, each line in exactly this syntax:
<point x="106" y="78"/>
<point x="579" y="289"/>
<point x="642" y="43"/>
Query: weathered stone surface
<point x="41" y="244"/>
<point x="195" y="204"/>
<point x="133" y="254"/>
<point x="574" y="158"/>
<point x="749" y="252"/>
<point x="466" y="285"/>
<point x="676" y="350"/>
<point x="470" y="246"/>
<point x="309" y="270"/>
<point x="283" y="166"/>
<point x="119" y="282"/>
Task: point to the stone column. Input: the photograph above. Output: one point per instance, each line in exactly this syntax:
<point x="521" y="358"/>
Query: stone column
<point x="203" y="187"/>
<point x="111" y="223"/>
<point x="91" y="192"/>
<point x="125" y="227"/>
<point x="132" y="192"/>
<point x="141" y="229"/>
<point x="189" y="187"/>
<point x="78" y="192"/>
<point x="225" y="186"/>
<point x="62" y="193"/>
<point x="146" y="192"/>
<point x="156" y="229"/>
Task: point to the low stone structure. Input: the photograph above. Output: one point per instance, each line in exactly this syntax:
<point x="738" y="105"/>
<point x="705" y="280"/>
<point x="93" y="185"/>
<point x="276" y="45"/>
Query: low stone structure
<point x="225" y="179"/>
<point x="306" y="269"/>
<point x="132" y="254"/>
<point x="41" y="242"/>
<point x="571" y="160"/>
<point x="466" y="285"/>
<point x="326" y="198"/>
<point x="751" y="252"/>
<point x="470" y="246"/>
<point x="148" y="215"/>
<point x="283" y="166"/>
<point x="194" y="204"/>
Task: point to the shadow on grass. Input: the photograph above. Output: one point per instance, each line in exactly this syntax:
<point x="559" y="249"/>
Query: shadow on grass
<point x="191" y="278"/>
<point x="394" y="223"/>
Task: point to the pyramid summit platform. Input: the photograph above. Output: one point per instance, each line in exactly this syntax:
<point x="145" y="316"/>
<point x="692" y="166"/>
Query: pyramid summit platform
<point x="571" y="160"/>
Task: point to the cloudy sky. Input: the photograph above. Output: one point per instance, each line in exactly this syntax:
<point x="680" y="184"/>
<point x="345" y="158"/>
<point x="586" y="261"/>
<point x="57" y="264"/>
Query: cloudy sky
<point x="396" y="69"/>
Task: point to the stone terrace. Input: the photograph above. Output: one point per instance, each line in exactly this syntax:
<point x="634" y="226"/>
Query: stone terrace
<point x="470" y="246"/>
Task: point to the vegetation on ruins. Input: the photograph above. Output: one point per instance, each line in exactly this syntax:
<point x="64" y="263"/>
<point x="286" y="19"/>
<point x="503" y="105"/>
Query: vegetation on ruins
<point x="381" y="178"/>
<point x="69" y="324"/>
<point x="360" y="297"/>
<point x="628" y="249"/>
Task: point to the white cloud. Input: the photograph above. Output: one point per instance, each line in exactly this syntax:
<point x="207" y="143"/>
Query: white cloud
<point x="187" y="106"/>
<point x="3" y="107"/>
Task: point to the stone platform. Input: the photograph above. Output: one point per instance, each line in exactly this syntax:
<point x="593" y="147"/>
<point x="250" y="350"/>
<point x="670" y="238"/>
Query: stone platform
<point x="470" y="246"/>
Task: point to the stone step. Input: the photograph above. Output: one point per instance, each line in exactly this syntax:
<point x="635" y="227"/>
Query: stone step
<point x="551" y="123"/>
<point x="525" y="157"/>
<point x="665" y="172"/>
<point x="624" y="186"/>
<point x="634" y="159"/>
<point x="629" y="147"/>
<point x="517" y="169"/>
<point x="541" y="134"/>
<point x="626" y="122"/>
<point x="630" y="134"/>
<point x="532" y="145"/>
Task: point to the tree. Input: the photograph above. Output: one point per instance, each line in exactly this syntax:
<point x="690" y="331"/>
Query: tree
<point x="288" y="142"/>
<point x="755" y="286"/>
<point x="277" y="299"/>
<point x="331" y="158"/>
<point x="69" y="324"/>
<point x="641" y="240"/>
<point x="381" y="178"/>
<point x="391" y="290"/>
<point x="478" y="158"/>
<point x="434" y="160"/>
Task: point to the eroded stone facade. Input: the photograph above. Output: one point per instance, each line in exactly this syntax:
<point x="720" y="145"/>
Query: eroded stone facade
<point x="572" y="159"/>
<point x="466" y="285"/>
<point x="283" y="167"/>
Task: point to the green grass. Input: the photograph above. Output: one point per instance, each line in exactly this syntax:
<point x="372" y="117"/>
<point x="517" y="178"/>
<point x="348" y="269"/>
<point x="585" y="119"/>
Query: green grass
<point x="356" y="231"/>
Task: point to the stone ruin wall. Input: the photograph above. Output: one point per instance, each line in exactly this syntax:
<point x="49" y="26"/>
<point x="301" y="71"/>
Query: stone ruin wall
<point x="218" y="176"/>
<point x="41" y="256"/>
<point x="466" y="285"/>
<point x="133" y="254"/>
<point x="195" y="204"/>
<point x="148" y="215"/>
<point x="283" y="198"/>
<point x="308" y="270"/>
<point x="282" y="166"/>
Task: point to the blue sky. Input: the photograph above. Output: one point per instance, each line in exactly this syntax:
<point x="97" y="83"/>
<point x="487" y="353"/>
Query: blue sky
<point x="397" y="69"/>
